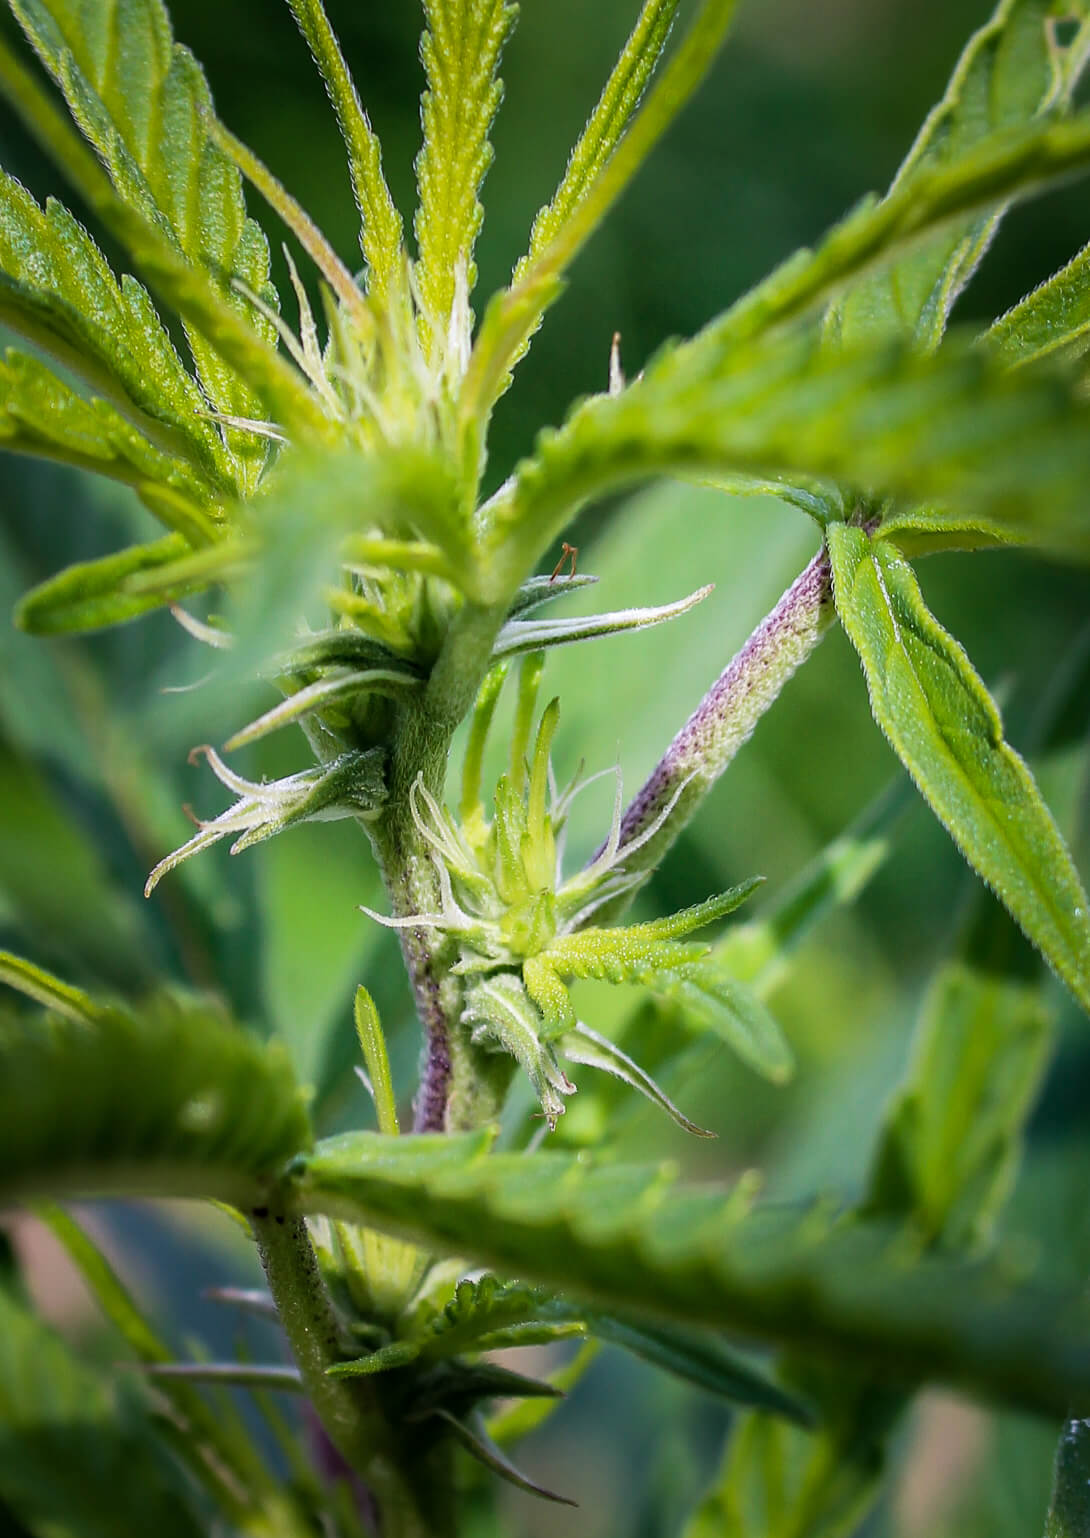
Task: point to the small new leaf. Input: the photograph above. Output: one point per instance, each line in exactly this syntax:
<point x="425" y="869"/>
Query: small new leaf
<point x="349" y="786"/>
<point x="460" y="51"/>
<point x="518" y="635"/>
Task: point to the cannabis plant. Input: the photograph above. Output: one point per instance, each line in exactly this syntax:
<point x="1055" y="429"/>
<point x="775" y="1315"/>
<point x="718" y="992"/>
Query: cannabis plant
<point x="336" y="538"/>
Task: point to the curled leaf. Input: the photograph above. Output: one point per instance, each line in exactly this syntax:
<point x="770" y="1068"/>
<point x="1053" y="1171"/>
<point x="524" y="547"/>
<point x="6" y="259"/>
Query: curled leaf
<point x="594" y="1051"/>
<point x="351" y="786"/>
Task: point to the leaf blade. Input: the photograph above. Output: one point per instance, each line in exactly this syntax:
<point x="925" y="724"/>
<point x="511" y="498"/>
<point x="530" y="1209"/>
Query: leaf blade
<point x="609" y="1234"/>
<point x="172" y="1102"/>
<point x="143" y="102"/>
<point x="1011" y="71"/>
<point x="946" y="730"/>
<point x="461" y="52"/>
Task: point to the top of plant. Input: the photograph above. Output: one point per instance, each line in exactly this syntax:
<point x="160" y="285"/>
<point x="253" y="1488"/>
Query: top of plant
<point x="393" y="388"/>
<point x="362" y="433"/>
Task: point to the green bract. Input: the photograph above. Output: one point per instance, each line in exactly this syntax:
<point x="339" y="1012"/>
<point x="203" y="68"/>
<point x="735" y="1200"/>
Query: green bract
<point x="319" y="460"/>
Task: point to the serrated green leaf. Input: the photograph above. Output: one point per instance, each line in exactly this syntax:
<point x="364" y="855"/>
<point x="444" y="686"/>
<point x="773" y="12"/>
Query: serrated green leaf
<point x="91" y="595"/>
<point x="943" y="1160"/>
<point x="57" y="289"/>
<point x="617" y="1236"/>
<point x="927" y="530"/>
<point x="606" y="125"/>
<point x="188" y="288"/>
<point x="170" y="1102"/>
<point x="514" y="314"/>
<point x="760" y="952"/>
<point x="1012" y="70"/>
<point x="143" y="102"/>
<point x="538" y="275"/>
<point x="886" y="420"/>
<point x="999" y="170"/>
<point x="489" y="1314"/>
<point x="41" y="415"/>
<point x="461" y="52"/>
<point x="945" y="728"/>
<point x="1052" y="322"/>
<point x="76" y="1455"/>
<point x="380" y="233"/>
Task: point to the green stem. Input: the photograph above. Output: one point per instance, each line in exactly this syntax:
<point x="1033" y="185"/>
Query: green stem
<point x="1069" y="1509"/>
<point x="460" y="1086"/>
<point x="349" y="1408"/>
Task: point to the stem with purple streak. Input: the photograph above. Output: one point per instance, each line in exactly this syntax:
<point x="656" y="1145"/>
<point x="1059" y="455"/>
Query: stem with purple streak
<point x="729" y="712"/>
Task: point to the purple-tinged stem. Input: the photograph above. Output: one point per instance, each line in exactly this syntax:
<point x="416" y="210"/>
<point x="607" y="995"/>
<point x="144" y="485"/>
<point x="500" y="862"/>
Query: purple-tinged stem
<point x="730" y="710"/>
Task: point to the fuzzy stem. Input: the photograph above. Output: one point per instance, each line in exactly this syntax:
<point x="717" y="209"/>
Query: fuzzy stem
<point x="457" y="1082"/>
<point x="349" y="1409"/>
<point x="730" y="710"/>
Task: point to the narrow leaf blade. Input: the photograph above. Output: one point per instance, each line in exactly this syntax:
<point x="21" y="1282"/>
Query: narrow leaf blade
<point x="945" y="728"/>
<point x="1011" y="71"/>
<point x="461" y="51"/>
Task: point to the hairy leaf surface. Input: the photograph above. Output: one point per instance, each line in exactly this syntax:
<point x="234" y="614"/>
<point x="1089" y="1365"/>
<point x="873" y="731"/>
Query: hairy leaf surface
<point x="41" y="415"/>
<point x="1053" y="321"/>
<point x="882" y="419"/>
<point x="171" y="1102"/>
<point x="461" y="51"/>
<point x="1012" y="70"/>
<point x="92" y="595"/>
<point x="57" y="289"/>
<point x="945" y="728"/>
<point x="998" y="170"/>
<point x="380" y="234"/>
<point x="142" y="101"/>
<point x="620" y="1236"/>
<point x="600" y="169"/>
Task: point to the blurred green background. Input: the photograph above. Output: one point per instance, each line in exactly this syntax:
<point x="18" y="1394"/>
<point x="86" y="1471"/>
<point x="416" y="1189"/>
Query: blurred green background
<point x="809" y="107"/>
